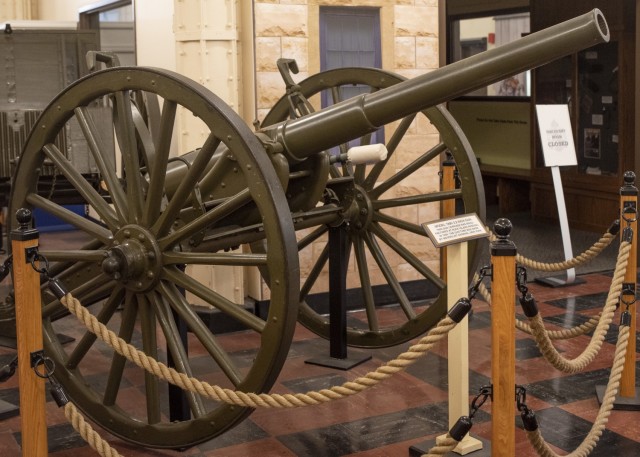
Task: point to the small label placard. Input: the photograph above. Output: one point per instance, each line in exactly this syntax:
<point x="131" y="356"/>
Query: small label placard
<point x="455" y="230"/>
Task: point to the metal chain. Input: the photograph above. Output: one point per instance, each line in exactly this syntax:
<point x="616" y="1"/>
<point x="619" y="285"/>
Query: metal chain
<point x="521" y="280"/>
<point x="485" y="393"/>
<point x="484" y="272"/>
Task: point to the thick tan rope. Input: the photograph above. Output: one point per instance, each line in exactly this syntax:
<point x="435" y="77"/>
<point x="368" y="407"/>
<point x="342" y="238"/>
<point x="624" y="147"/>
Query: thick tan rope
<point x="88" y="433"/>
<point x="580" y="259"/>
<point x="250" y="399"/>
<point x="586" y="256"/>
<point x="595" y="344"/>
<point x="563" y="334"/>
<point x="444" y="446"/>
<point x="590" y="441"/>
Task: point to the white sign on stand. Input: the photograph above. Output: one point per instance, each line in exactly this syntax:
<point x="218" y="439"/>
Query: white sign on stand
<point x="558" y="148"/>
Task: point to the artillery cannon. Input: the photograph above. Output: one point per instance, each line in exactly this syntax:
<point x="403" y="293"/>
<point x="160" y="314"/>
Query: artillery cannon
<point x="238" y="201"/>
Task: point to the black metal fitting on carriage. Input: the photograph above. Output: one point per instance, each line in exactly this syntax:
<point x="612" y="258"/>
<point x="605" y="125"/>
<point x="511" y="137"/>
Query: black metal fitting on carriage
<point x="461" y="428"/>
<point x="529" y="305"/>
<point x="627" y="234"/>
<point x="460" y="310"/>
<point x="7" y="371"/>
<point x="5" y="268"/>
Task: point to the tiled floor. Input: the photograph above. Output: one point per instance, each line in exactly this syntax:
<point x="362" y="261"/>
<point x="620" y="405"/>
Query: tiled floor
<point x="404" y="410"/>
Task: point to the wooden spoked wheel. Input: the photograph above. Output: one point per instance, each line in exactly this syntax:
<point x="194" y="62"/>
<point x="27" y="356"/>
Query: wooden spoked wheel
<point x="392" y="261"/>
<point x="149" y="223"/>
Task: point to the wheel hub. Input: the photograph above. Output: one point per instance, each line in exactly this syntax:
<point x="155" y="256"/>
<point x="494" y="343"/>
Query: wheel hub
<point x="133" y="259"/>
<point x="361" y="211"/>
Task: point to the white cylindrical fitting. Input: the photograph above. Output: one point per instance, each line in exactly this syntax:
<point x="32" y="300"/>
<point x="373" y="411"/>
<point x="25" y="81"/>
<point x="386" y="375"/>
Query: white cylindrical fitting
<point x="367" y="154"/>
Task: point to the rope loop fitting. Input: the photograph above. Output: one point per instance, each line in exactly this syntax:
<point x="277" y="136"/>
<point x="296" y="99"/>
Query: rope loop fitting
<point x="55" y="286"/>
<point x="459" y="310"/>
<point x="461" y="428"/>
<point x="34" y="256"/>
<point x="630" y="214"/>
<point x="38" y="359"/>
<point x="628" y="290"/>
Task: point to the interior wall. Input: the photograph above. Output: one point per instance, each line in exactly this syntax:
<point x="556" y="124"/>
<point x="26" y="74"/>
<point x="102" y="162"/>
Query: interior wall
<point x="60" y="10"/>
<point x="155" y="40"/>
<point x="18" y="9"/>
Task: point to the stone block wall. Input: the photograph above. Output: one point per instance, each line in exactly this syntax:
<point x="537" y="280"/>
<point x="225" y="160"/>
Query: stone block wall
<point x="409" y="38"/>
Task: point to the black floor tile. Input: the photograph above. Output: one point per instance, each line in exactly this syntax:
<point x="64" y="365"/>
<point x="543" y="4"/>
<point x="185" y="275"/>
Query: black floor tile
<point x="304" y="385"/>
<point x="582" y="302"/>
<point x="567" y="432"/>
<point x="245" y="432"/>
<point x="59" y="437"/>
<point x="371" y="433"/>
<point x="567" y="389"/>
<point x="479" y="320"/>
<point x="526" y="349"/>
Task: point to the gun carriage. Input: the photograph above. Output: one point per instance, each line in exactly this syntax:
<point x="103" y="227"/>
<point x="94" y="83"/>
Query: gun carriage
<point x="237" y="201"/>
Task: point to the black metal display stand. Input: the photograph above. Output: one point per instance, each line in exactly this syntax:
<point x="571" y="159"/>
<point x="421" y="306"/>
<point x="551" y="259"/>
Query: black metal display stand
<point x="178" y="405"/>
<point x="338" y="261"/>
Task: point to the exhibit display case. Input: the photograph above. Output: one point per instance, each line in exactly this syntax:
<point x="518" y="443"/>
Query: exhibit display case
<point x="598" y="85"/>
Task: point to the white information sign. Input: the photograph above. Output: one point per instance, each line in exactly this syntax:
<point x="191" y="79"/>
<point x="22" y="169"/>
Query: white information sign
<point x="455" y="229"/>
<point x="556" y="135"/>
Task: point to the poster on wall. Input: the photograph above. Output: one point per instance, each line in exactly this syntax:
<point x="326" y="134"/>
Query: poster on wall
<point x="556" y="135"/>
<point x="592" y="143"/>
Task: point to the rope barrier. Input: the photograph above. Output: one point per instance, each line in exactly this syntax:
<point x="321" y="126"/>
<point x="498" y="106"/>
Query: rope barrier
<point x="578" y="260"/>
<point x="263" y="400"/>
<point x="590" y="441"/>
<point x="577" y="364"/>
<point x="443" y="447"/>
<point x="88" y="433"/>
<point x="563" y="334"/>
<point x="360" y="384"/>
<point x="586" y="256"/>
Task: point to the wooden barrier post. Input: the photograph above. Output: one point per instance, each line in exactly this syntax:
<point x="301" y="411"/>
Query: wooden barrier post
<point x="629" y="396"/>
<point x="503" y="341"/>
<point x="26" y="281"/>
<point x="629" y="198"/>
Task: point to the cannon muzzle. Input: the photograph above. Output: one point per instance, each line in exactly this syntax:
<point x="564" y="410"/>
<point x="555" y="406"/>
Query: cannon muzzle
<point x="364" y="114"/>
